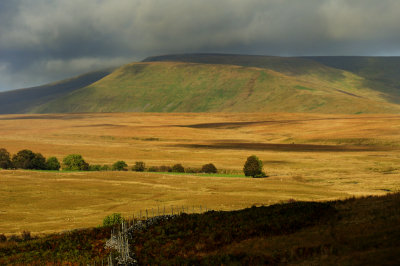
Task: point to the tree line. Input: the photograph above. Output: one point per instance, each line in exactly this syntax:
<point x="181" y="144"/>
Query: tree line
<point x="27" y="159"/>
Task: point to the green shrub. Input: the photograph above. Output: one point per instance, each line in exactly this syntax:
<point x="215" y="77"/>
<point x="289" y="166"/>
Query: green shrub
<point x="5" y="160"/>
<point x="120" y="166"/>
<point x="105" y="168"/>
<point x="209" y="168"/>
<point x="253" y="167"/>
<point x="95" y="167"/>
<point x="139" y="167"/>
<point x="153" y="169"/>
<point x="178" y="168"/>
<point x="164" y="168"/>
<point x="192" y="170"/>
<point x="3" y="238"/>
<point x="75" y="162"/>
<point x="52" y="163"/>
<point x="112" y="219"/>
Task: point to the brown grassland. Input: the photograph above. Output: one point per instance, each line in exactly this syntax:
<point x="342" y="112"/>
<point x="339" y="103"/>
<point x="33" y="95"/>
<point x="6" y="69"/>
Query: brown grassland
<point x="307" y="157"/>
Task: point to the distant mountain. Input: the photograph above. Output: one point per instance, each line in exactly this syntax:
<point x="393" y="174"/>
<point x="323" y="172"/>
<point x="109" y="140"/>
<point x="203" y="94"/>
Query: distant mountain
<point x="24" y="100"/>
<point x="231" y="83"/>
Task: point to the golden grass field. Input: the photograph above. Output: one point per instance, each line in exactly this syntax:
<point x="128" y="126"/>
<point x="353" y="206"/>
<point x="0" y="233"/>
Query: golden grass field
<point x="307" y="157"/>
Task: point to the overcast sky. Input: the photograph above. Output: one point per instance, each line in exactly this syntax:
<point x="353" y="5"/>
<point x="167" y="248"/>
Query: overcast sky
<point x="48" y="40"/>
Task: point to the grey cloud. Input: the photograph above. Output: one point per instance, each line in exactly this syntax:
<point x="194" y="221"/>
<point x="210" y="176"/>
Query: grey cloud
<point x="45" y="40"/>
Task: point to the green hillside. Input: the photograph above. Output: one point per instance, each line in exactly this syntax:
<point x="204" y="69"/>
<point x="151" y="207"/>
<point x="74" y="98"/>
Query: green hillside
<point x="23" y="100"/>
<point x="381" y="73"/>
<point x="266" y="84"/>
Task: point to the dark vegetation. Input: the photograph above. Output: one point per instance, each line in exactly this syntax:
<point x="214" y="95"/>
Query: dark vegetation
<point x="26" y="159"/>
<point x="253" y="167"/>
<point x="362" y="231"/>
<point x="120" y="166"/>
<point x="139" y="167"/>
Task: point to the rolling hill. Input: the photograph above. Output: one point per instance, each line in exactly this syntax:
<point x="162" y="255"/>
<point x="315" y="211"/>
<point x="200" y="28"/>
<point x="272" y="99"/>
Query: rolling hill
<point x="232" y="83"/>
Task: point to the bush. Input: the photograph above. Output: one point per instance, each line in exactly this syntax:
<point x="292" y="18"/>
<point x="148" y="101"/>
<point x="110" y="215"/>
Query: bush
<point x="52" y="163"/>
<point x="112" y="219"/>
<point x="26" y="159"/>
<point x="26" y="235"/>
<point x="105" y="168"/>
<point x="164" y="168"/>
<point x="75" y="162"/>
<point x="95" y="167"/>
<point x="39" y="162"/>
<point x="253" y="167"/>
<point x="153" y="169"/>
<point x="3" y="238"/>
<point x="178" y="168"/>
<point x="209" y="168"/>
<point x="139" y="167"/>
<point x="5" y="160"/>
<point x="192" y="170"/>
<point x="120" y="166"/>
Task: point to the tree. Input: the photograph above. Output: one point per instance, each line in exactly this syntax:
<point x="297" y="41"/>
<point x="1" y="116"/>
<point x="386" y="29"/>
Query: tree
<point x="75" y="162"/>
<point x="178" y="168"/>
<point x="52" y="163"/>
<point x="5" y="161"/>
<point x="26" y="159"/>
<point x="95" y="167"/>
<point x="113" y="219"/>
<point x="139" y="167"/>
<point x="253" y="167"/>
<point x="23" y="159"/>
<point x="209" y="168"/>
<point x="38" y="162"/>
<point x="120" y="166"/>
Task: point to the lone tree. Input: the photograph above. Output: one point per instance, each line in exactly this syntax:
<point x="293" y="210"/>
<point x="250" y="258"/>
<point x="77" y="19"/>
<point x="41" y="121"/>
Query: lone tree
<point x="75" y="162"/>
<point x="52" y="163"/>
<point x="5" y="161"/>
<point x="253" y="167"/>
<point x="139" y="167"/>
<point x="120" y="166"/>
<point x="209" y="168"/>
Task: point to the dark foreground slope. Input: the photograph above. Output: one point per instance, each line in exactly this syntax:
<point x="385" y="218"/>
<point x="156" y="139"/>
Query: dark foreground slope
<point x="23" y="100"/>
<point x="361" y="231"/>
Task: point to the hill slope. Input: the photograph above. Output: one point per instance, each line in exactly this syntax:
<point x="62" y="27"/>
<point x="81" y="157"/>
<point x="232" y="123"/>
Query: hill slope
<point x="300" y="85"/>
<point x="223" y="83"/>
<point x="23" y="100"/>
<point x="362" y="231"/>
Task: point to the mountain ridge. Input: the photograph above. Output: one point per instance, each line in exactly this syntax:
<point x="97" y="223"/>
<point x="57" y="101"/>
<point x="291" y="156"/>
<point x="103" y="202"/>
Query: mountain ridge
<point x="232" y="83"/>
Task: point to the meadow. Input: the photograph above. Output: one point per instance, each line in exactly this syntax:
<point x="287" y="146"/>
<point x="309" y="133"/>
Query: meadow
<point x="307" y="157"/>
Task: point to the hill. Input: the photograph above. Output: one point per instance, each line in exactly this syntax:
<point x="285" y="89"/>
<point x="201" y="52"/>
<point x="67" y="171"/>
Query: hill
<point x="363" y="231"/>
<point x="382" y="73"/>
<point x="23" y="100"/>
<point x="225" y="83"/>
<point x="299" y="86"/>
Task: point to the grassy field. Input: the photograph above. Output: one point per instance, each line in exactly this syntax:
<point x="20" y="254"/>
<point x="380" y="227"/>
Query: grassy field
<point x="189" y="87"/>
<point x="307" y="156"/>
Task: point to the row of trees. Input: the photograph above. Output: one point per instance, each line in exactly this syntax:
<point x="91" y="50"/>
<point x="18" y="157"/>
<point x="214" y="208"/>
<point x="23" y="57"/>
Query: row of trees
<point x="26" y="159"/>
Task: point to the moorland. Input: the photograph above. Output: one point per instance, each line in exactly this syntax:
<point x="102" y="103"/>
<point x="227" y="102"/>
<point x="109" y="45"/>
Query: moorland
<point x="306" y="156"/>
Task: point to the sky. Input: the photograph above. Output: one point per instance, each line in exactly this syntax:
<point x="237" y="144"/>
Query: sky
<point x="43" y="41"/>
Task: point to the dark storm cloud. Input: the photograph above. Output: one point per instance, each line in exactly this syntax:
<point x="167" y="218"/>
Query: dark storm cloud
<point x="45" y="40"/>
